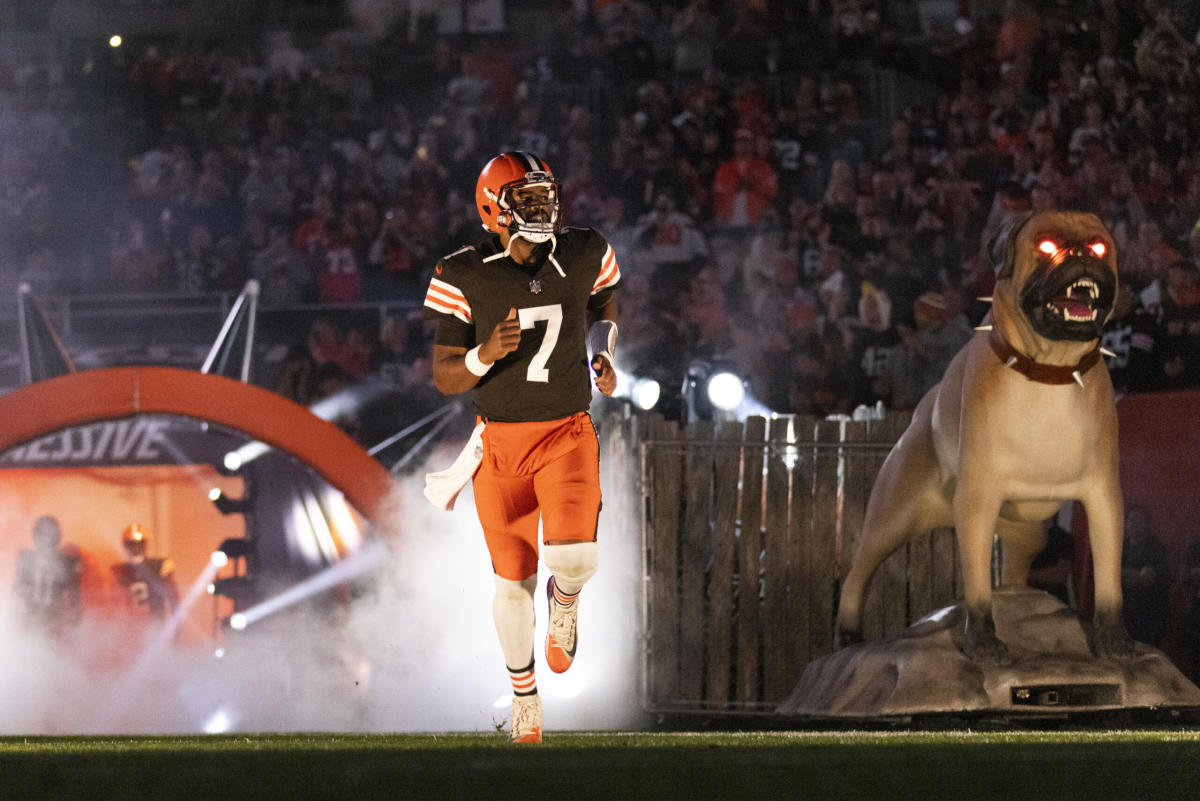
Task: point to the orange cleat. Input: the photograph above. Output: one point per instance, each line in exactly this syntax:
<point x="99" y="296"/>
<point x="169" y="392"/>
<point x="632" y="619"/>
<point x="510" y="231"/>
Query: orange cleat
<point x="561" y="638"/>
<point x="526" y="719"/>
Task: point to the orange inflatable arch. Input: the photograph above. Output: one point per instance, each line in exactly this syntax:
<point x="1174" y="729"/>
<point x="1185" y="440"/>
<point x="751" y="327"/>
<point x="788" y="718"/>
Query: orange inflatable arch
<point x="115" y="392"/>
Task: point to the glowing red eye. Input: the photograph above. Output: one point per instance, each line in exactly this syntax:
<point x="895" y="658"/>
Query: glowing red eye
<point x="1099" y="249"/>
<point x="1048" y="247"/>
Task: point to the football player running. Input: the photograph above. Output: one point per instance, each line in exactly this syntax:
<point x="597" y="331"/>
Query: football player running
<point x="516" y="317"/>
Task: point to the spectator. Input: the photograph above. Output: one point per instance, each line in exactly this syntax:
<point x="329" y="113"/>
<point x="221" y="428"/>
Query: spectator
<point x="673" y="246"/>
<point x="744" y="186"/>
<point x="1149" y="256"/>
<point x="696" y="33"/>
<point x="200" y="267"/>
<point x="402" y="356"/>
<point x="875" y="339"/>
<point x="1179" y="338"/>
<point x="284" y="276"/>
<point x="1145" y="579"/>
<point x="395" y="256"/>
<point x="941" y="333"/>
<point x="1131" y="337"/>
<point x="338" y="278"/>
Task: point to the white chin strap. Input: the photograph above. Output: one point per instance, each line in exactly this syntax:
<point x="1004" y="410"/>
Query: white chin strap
<point x="536" y="241"/>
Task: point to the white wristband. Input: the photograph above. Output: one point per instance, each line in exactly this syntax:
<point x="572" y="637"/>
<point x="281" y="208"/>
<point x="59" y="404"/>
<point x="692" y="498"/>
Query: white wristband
<point x="474" y="364"/>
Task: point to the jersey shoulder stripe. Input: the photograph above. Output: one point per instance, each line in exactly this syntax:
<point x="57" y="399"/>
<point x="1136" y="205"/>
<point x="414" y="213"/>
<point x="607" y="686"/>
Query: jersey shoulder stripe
<point x="610" y="273"/>
<point x="445" y="298"/>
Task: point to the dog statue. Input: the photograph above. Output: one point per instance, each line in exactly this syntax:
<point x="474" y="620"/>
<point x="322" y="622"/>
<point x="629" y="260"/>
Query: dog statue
<point x="1023" y="420"/>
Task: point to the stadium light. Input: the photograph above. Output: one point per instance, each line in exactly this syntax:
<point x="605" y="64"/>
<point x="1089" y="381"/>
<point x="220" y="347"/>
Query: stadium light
<point x="715" y="390"/>
<point x="725" y="390"/>
<point x="237" y="588"/>
<point x="235" y="548"/>
<point x="643" y="393"/>
<point x="227" y="505"/>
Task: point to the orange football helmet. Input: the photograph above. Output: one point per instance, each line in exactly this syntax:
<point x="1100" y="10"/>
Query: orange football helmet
<point x="135" y="539"/>
<point x="536" y="220"/>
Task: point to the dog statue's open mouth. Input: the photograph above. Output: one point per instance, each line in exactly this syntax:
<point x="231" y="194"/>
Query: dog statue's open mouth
<point x="1077" y="303"/>
<point x="1071" y="301"/>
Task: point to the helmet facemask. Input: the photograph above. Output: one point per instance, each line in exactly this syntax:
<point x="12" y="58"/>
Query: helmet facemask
<point x="530" y="215"/>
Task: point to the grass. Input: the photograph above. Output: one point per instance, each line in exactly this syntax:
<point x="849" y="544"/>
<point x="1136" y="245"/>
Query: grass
<point x="1100" y="765"/>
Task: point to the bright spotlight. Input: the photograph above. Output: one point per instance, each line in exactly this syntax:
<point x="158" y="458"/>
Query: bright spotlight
<point x="237" y="621"/>
<point x="641" y="392"/>
<point x="645" y="393"/>
<point x="219" y="559"/>
<point x="115" y="40"/>
<point x="726" y="391"/>
<point x="227" y="505"/>
<point x="211" y="589"/>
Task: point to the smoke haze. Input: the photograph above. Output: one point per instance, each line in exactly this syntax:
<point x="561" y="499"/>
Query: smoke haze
<point x="414" y="651"/>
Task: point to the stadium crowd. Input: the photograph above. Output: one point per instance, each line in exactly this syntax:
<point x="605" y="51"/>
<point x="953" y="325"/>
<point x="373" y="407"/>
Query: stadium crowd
<point x="766" y="208"/>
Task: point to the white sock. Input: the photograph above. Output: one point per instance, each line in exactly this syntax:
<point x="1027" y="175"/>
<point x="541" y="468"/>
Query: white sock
<point x="512" y="611"/>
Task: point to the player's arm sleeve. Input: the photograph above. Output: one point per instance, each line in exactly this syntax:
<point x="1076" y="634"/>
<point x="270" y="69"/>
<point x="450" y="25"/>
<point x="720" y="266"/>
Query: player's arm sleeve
<point x="608" y="279"/>
<point x="455" y="334"/>
<point x="445" y="300"/>
<point x="446" y="303"/>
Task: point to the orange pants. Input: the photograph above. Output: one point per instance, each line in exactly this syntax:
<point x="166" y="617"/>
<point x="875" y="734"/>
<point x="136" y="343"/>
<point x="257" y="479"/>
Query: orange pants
<point x="549" y="469"/>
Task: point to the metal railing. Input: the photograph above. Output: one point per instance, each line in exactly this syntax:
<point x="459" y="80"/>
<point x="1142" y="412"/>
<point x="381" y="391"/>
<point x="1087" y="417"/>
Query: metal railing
<point x="171" y="329"/>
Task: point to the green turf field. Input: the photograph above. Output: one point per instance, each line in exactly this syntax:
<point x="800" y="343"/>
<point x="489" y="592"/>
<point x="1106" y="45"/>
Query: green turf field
<point x="1052" y="765"/>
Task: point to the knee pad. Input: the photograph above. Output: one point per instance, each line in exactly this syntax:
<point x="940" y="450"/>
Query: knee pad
<point x="572" y="564"/>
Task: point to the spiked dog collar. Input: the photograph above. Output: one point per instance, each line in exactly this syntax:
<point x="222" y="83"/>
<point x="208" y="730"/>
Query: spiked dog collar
<point x="1036" y="371"/>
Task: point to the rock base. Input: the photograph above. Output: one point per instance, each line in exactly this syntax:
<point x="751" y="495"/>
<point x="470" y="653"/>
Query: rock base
<point x="923" y="671"/>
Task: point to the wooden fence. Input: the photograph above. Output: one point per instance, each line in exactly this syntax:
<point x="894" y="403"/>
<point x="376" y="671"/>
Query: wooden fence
<point x="747" y="529"/>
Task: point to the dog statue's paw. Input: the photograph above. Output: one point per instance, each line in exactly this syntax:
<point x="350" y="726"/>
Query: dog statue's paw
<point x="981" y="644"/>
<point x="1110" y="640"/>
<point x="843" y="637"/>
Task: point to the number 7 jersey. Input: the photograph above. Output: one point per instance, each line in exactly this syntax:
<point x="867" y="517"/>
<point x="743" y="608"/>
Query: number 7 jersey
<point x="547" y="377"/>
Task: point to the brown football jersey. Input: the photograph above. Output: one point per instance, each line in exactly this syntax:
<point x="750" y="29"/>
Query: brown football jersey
<point x="547" y="376"/>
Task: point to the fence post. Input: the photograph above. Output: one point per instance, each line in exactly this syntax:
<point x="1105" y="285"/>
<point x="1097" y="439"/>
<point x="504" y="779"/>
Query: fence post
<point x="823" y="551"/>
<point x="780" y="613"/>
<point x="662" y="482"/>
<point x="693" y="553"/>
<point x="749" y="559"/>
<point x="726" y="480"/>
<point x="800" y="544"/>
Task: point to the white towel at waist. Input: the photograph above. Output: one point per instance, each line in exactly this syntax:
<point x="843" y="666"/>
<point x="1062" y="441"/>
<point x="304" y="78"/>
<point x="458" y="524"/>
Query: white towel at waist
<point x="442" y="487"/>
